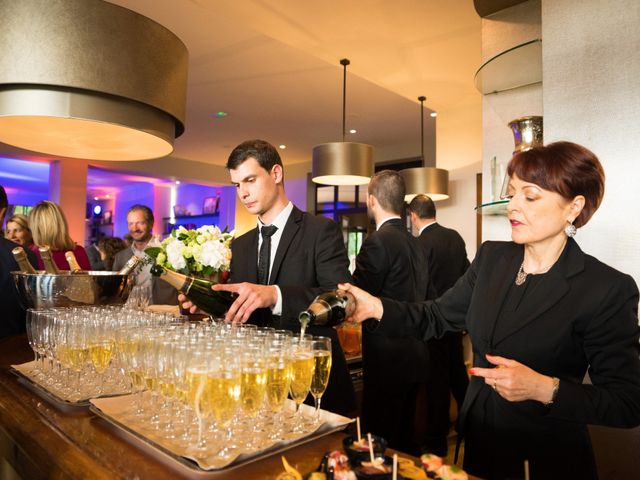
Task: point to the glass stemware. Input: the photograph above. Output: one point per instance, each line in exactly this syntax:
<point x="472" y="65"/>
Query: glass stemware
<point x="322" y="367"/>
<point x="301" y="364"/>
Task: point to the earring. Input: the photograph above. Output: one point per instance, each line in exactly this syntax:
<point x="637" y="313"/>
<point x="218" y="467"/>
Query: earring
<point x="570" y="230"/>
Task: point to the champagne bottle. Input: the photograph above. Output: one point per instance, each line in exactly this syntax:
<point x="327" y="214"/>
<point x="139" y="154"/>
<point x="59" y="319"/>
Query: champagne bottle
<point x="130" y="266"/>
<point x="74" y="266"/>
<point x="328" y="308"/>
<point x="23" y="262"/>
<point x="198" y="290"/>
<point x="49" y="265"/>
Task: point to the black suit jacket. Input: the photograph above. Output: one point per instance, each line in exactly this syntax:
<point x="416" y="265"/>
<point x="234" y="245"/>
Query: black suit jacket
<point x="446" y="256"/>
<point x="391" y="264"/>
<point x="12" y="319"/>
<point x="582" y="317"/>
<point x="310" y="259"/>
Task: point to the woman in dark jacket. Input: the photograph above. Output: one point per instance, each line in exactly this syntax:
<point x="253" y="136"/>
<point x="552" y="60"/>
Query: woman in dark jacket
<point x="540" y="314"/>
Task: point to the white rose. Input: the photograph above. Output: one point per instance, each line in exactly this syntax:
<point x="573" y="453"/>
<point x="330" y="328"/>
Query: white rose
<point x="212" y="255"/>
<point x="175" y="256"/>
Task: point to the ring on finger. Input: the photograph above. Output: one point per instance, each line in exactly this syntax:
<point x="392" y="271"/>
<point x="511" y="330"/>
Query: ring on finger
<point x="495" y="384"/>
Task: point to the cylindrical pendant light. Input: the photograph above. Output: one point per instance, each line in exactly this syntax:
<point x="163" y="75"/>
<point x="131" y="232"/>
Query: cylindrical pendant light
<point x="431" y="181"/>
<point x="342" y="163"/>
<point x="89" y="79"/>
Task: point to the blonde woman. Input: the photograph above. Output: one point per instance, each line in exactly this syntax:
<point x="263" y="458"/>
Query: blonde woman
<point x="50" y="228"/>
<point x="18" y="230"/>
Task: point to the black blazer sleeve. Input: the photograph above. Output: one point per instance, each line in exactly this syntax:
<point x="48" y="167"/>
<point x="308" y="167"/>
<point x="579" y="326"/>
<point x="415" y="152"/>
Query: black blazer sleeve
<point x="432" y="318"/>
<point x="610" y="344"/>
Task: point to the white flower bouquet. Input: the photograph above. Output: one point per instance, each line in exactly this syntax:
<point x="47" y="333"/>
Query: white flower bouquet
<point x="202" y="252"/>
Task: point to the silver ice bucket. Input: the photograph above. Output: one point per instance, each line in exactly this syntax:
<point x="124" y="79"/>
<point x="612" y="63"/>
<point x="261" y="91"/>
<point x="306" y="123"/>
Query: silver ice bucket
<point x="66" y="289"/>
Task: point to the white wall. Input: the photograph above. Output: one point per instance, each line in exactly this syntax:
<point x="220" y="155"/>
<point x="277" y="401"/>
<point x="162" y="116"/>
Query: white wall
<point x="504" y="30"/>
<point x="591" y="77"/>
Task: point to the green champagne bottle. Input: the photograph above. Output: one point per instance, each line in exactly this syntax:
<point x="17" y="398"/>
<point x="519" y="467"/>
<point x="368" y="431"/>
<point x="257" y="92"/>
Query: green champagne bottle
<point x="198" y="290"/>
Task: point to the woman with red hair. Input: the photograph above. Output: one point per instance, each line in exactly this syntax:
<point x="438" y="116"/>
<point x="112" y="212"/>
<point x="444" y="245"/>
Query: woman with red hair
<point x="541" y="314"/>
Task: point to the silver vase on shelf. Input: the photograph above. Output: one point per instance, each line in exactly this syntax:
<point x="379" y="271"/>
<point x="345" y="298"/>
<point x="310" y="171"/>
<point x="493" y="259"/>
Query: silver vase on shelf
<point x="527" y="133"/>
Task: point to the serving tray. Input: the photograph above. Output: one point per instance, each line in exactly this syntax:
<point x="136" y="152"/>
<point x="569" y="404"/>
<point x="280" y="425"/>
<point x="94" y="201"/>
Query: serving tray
<point x="27" y="377"/>
<point x="116" y="412"/>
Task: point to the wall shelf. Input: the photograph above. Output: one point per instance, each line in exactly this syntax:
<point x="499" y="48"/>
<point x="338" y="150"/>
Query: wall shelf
<point x="514" y="68"/>
<point x="187" y="217"/>
<point x="498" y="207"/>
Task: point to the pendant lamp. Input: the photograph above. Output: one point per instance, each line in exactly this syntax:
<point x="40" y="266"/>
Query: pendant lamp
<point x="342" y="163"/>
<point x="89" y="79"/>
<point x="430" y="181"/>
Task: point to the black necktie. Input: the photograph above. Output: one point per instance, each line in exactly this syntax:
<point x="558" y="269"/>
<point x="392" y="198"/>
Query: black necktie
<point x="265" y="253"/>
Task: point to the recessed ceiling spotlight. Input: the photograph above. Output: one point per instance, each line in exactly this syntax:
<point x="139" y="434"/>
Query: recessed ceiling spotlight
<point x="283" y="146"/>
<point x="220" y="114"/>
<point x="177" y="182"/>
<point x="107" y="196"/>
<point x="353" y="130"/>
<point x="434" y="114"/>
<point x="96" y="198"/>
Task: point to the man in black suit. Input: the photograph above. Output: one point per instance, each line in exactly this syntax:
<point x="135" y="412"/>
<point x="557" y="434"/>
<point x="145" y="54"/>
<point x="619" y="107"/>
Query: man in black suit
<point x="12" y="321"/>
<point x="391" y="264"/>
<point x="302" y="256"/>
<point x="447" y="260"/>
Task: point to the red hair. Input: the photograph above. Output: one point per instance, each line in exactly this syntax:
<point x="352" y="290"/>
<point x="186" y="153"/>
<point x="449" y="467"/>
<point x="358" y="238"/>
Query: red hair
<point x="566" y="168"/>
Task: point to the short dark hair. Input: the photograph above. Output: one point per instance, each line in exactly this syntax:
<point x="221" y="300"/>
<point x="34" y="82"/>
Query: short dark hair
<point x="423" y="206"/>
<point x="389" y="189"/>
<point x="148" y="214"/>
<point x="566" y="168"/>
<point x="265" y="154"/>
<point x="4" y="202"/>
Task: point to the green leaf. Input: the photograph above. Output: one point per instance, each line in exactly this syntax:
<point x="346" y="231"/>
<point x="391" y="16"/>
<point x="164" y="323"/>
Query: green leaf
<point x="153" y="252"/>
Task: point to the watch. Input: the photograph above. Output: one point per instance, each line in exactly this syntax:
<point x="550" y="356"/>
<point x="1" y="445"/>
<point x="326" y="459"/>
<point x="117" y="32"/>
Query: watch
<point x="554" y="393"/>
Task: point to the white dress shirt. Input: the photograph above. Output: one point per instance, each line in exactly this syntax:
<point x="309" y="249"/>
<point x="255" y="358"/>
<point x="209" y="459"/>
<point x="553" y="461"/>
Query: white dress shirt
<point x="280" y="221"/>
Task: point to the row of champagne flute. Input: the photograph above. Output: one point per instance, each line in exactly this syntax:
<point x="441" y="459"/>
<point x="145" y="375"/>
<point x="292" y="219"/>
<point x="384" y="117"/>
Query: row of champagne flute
<point x="210" y="389"/>
<point x="222" y="389"/>
<point x="78" y="350"/>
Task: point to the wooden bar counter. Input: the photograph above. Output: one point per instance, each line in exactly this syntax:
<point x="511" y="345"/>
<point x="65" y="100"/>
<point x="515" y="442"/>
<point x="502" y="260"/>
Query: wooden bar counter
<point x="39" y="440"/>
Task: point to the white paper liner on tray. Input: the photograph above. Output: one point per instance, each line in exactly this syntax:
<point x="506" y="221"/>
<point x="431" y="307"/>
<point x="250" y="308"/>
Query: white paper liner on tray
<point x="80" y="398"/>
<point x="118" y="410"/>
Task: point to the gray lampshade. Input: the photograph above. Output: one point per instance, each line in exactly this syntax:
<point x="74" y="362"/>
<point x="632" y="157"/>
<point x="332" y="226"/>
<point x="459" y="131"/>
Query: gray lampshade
<point x="89" y="79"/>
<point x="431" y="181"/>
<point x="342" y="163"/>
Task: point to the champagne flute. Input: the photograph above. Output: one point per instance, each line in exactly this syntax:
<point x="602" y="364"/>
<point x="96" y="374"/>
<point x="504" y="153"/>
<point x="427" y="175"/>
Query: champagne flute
<point x="253" y="383"/>
<point x="278" y="381"/>
<point x="196" y="378"/>
<point x="225" y="384"/>
<point x="322" y="368"/>
<point x="301" y="361"/>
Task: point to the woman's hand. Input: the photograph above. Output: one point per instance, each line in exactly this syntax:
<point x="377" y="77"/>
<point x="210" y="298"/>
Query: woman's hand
<point x="367" y="306"/>
<point x="514" y="381"/>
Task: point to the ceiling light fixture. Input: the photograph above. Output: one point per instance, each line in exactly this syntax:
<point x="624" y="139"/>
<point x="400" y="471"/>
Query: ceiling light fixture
<point x="282" y="147"/>
<point x="342" y="163"/>
<point x="353" y="130"/>
<point x="89" y="79"/>
<point x="433" y="114"/>
<point x="431" y="181"/>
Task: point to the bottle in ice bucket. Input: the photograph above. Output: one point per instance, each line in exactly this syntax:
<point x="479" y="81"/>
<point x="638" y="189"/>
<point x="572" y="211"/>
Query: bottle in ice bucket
<point x="49" y="265"/>
<point x="328" y="309"/>
<point x="23" y="262"/>
<point x="74" y="266"/>
<point x="130" y="266"/>
<point x="198" y="290"/>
